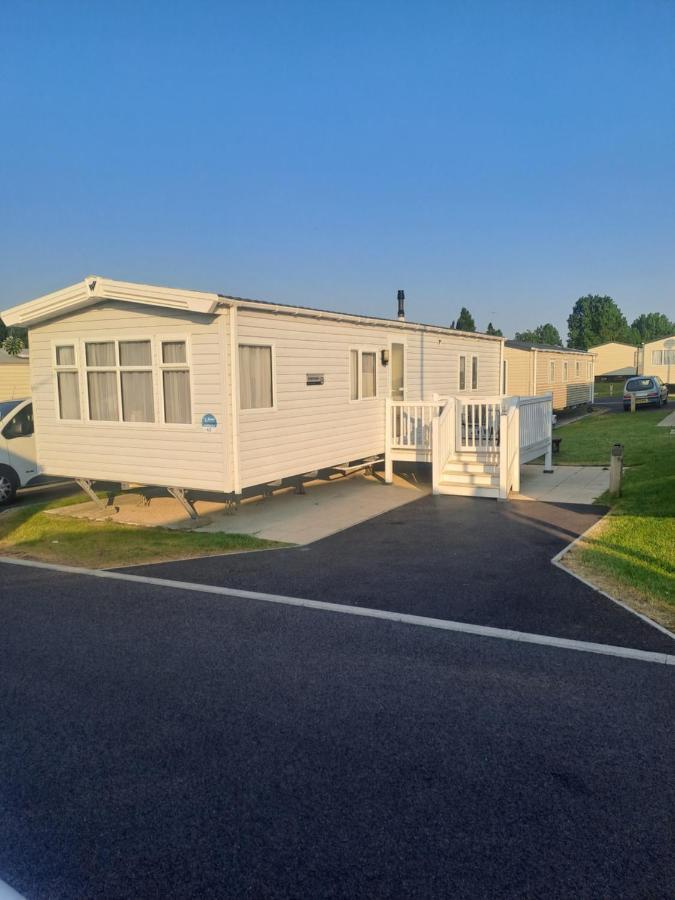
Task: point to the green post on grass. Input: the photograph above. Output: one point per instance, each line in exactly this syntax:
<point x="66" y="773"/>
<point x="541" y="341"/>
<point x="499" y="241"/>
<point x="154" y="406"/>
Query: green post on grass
<point x="616" y="470"/>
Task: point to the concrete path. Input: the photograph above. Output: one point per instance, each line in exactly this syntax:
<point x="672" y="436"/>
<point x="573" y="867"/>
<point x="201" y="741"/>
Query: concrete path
<point x="324" y="508"/>
<point x="669" y="421"/>
<point x="566" y="484"/>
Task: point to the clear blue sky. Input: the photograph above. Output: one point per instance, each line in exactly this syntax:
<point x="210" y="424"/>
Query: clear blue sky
<point x="504" y="156"/>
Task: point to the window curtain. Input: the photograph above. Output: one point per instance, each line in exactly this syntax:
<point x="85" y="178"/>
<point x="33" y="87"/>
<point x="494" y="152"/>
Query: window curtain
<point x="354" y="374"/>
<point x="101" y="354"/>
<point x="135" y="353"/>
<point x="65" y="356"/>
<point x="173" y="352"/>
<point x="255" y="377"/>
<point x="102" y="396"/>
<point x="367" y="374"/>
<point x="69" y="394"/>
<point x="137" y="401"/>
<point x="177" y="409"/>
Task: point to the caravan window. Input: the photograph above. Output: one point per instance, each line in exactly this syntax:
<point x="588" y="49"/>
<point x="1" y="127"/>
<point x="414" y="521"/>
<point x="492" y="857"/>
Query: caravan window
<point x="368" y="375"/>
<point x="462" y="373"/>
<point x="551" y="372"/>
<point x="119" y="378"/>
<point x="362" y="374"/>
<point x="474" y="373"/>
<point x="256" y="390"/>
<point x="176" y="383"/>
<point x="67" y="382"/>
<point x="123" y="379"/>
<point x="565" y="371"/>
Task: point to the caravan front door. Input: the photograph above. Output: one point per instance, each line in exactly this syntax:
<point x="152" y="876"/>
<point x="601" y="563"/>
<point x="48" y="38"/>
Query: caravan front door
<point x="398" y="371"/>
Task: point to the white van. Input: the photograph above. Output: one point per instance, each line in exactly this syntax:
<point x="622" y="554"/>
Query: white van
<point x="18" y="463"/>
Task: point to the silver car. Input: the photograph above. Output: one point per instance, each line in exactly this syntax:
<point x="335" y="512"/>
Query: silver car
<point x="648" y="390"/>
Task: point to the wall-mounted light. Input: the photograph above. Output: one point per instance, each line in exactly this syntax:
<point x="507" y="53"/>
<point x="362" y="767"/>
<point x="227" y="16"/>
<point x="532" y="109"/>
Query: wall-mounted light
<point x="384" y="355"/>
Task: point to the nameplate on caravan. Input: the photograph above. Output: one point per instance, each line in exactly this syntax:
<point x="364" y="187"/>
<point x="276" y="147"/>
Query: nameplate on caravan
<point x="313" y="378"/>
<point x="209" y="422"/>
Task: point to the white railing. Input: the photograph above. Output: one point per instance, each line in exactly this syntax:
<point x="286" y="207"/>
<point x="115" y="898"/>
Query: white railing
<point x="443" y="434"/>
<point x="536" y="423"/>
<point x="478" y="422"/>
<point x="410" y="424"/>
<point x="509" y="450"/>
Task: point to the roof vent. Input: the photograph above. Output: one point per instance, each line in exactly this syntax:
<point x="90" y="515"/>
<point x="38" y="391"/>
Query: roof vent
<point x="401" y="300"/>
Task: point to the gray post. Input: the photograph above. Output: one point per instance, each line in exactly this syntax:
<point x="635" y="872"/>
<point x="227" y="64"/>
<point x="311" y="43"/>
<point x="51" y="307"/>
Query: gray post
<point x="632" y="403"/>
<point x="616" y="470"/>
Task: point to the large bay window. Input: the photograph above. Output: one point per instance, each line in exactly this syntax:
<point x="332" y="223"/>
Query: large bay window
<point x="121" y="378"/>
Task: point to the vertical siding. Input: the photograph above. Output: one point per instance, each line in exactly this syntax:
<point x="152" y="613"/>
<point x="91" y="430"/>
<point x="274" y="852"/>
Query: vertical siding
<point x="313" y="427"/>
<point x="576" y="390"/>
<point x="14" y="380"/>
<point x="179" y="455"/>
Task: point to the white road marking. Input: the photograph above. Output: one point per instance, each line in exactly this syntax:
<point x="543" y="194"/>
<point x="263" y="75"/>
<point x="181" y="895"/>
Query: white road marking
<point x="8" y="893"/>
<point x="365" y="612"/>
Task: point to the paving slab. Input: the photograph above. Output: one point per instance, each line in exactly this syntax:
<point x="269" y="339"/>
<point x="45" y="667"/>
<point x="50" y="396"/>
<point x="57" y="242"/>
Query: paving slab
<point x="566" y="484"/>
<point x="669" y="421"/>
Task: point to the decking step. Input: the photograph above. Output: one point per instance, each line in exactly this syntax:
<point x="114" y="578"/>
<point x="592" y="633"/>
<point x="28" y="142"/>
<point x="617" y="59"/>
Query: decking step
<point x="484" y="478"/>
<point x="467" y="490"/>
<point x="462" y="466"/>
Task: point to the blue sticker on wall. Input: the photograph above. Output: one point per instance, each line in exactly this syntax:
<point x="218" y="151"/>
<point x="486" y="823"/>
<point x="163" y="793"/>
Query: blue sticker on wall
<point x="209" y="422"/>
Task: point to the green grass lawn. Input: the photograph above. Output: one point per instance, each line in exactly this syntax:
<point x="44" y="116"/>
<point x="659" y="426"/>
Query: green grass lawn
<point x="27" y="531"/>
<point x="609" y="388"/>
<point x="635" y="545"/>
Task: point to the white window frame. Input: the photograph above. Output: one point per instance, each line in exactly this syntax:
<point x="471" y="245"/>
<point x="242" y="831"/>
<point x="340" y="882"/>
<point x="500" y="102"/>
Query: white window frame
<point x="565" y="372"/>
<point x="359" y="373"/>
<point x="551" y="372"/>
<point x="577" y="369"/>
<point x="475" y="358"/>
<point x="160" y="365"/>
<point x="75" y="344"/>
<point x="462" y="356"/>
<point x="505" y="377"/>
<point x="156" y="368"/>
<point x="258" y="410"/>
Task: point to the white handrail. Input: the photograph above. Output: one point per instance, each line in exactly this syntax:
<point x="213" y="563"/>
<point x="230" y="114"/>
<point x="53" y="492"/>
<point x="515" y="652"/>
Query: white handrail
<point x="442" y="441"/>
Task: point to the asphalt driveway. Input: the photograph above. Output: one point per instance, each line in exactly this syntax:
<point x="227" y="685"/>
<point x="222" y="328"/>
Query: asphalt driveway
<point x="160" y="743"/>
<point x="455" y="558"/>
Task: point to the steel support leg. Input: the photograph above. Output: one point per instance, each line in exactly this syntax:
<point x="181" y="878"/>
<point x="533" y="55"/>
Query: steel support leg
<point x="179" y="494"/>
<point x="85" y="485"/>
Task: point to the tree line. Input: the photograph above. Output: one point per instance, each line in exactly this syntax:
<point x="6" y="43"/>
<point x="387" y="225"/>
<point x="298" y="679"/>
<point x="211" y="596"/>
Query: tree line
<point x="594" y="320"/>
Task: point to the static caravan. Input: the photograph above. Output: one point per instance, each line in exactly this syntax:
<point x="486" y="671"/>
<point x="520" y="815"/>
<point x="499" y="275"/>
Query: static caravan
<point x="14" y="376"/>
<point x="658" y="358"/>
<point x="540" y="369"/>
<point x="615" y="360"/>
<point x="148" y="385"/>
